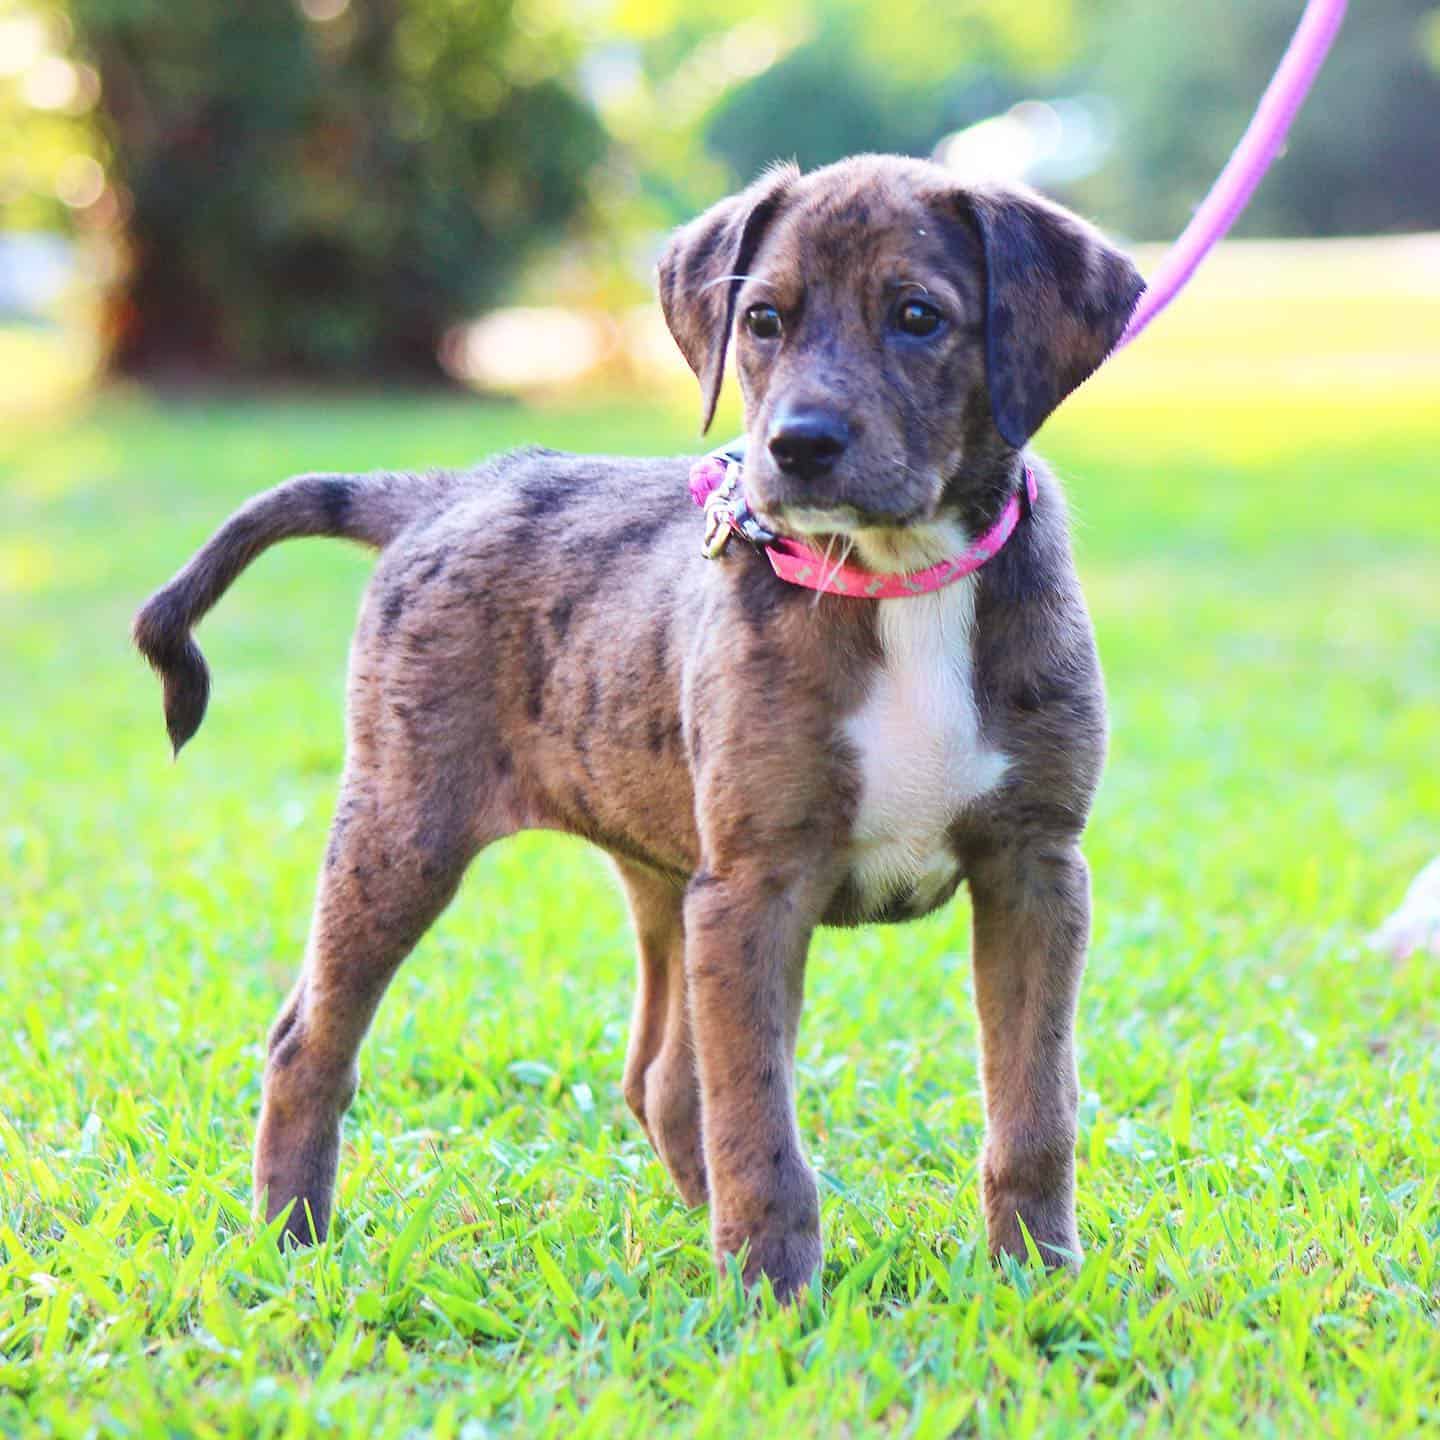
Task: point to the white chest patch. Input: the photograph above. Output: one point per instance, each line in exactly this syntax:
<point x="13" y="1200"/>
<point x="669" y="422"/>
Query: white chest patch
<point x="922" y="759"/>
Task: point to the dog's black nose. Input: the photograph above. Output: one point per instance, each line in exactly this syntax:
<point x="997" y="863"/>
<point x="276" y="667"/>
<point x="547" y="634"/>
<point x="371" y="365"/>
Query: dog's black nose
<point x="807" y="442"/>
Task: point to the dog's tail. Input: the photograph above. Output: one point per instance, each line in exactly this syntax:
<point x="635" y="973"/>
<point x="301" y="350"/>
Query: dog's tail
<point x="371" y="509"/>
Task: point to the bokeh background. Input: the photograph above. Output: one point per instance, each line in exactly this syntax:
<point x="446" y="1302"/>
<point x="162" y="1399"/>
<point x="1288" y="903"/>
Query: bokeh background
<point x="340" y="189"/>
<point x="241" y="241"/>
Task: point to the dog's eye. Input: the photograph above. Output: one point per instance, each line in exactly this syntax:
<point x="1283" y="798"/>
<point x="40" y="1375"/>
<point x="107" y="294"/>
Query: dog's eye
<point x="917" y="317"/>
<point x="763" y="322"/>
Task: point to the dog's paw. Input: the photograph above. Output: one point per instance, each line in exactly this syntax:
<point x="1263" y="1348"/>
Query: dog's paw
<point x="791" y="1261"/>
<point x="1022" y="1218"/>
<point x="1055" y="1239"/>
<point x="778" y="1232"/>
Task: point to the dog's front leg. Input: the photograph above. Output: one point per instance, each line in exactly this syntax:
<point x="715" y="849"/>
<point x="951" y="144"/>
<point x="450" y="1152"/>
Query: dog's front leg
<point x="1032" y="924"/>
<point x="746" y="937"/>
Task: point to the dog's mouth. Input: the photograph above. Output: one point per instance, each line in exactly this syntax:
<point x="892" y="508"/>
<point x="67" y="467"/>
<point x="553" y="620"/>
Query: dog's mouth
<point x="820" y="522"/>
<point x="880" y="494"/>
<point x="811" y="522"/>
<point x="882" y="543"/>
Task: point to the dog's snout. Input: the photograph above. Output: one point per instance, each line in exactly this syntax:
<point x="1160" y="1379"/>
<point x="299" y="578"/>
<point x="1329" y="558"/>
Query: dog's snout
<point x="806" y="443"/>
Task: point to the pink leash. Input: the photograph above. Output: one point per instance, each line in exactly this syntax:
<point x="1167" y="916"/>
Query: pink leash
<point x="715" y="481"/>
<point x="1252" y="157"/>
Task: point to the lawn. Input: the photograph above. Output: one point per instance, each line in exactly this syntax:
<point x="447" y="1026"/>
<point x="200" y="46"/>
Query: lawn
<point x="1259" y="532"/>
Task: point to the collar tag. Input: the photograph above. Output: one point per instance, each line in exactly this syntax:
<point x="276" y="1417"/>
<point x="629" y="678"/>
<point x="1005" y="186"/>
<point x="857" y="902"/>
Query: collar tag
<point x="716" y="483"/>
<point x="719" y="520"/>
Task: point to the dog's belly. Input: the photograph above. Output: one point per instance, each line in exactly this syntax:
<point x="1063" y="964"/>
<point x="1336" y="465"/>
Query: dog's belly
<point x="922" y="756"/>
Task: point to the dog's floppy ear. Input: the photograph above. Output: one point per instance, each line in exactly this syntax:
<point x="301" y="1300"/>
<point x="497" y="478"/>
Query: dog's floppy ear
<point x="699" y="276"/>
<point x="1058" y="297"/>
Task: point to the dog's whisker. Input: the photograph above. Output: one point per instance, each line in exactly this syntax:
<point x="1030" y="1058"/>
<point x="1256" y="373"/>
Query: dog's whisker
<point x="824" y="562"/>
<point x="829" y="575"/>
<point x="720" y="280"/>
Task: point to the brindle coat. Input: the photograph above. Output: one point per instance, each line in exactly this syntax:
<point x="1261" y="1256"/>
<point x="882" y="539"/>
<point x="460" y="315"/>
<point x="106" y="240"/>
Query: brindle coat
<point x="542" y="646"/>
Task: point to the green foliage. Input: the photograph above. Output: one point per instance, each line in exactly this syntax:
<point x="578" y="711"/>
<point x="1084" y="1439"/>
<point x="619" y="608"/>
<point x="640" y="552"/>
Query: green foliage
<point x="326" y="196"/>
<point x="1183" y="82"/>
<point x="836" y="102"/>
<point x="40" y="144"/>
<point x="830" y="78"/>
<point x="1361" y="157"/>
<point x="1258" y="1153"/>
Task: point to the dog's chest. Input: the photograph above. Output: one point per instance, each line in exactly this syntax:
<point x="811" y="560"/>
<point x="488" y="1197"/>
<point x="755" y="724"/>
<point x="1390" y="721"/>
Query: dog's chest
<point x="921" y="753"/>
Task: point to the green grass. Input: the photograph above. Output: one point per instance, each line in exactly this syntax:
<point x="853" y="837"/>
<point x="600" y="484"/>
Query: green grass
<point x="1259" y="1150"/>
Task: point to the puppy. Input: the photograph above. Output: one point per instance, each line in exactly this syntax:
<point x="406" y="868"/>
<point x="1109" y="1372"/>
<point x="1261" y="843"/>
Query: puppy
<point x="543" y="646"/>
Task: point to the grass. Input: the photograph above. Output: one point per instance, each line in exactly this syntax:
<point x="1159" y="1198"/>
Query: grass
<point x="1259" y="1154"/>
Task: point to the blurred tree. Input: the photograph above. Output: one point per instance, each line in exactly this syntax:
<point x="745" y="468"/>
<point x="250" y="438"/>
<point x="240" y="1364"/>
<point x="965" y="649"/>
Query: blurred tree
<point x="836" y="103"/>
<point x="1361" y="158"/>
<point x="47" y="148"/>
<point x="1182" y="82"/>
<point x="742" y="82"/>
<point x="323" y="188"/>
<point x="897" y="77"/>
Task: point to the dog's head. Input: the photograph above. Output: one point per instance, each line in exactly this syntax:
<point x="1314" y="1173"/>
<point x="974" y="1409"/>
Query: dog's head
<point x="894" y="332"/>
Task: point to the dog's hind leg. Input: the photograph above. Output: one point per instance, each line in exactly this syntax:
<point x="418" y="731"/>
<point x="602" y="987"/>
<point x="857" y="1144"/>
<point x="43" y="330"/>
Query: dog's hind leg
<point x="390" y="868"/>
<point x="1032" y="923"/>
<point x="661" y="1085"/>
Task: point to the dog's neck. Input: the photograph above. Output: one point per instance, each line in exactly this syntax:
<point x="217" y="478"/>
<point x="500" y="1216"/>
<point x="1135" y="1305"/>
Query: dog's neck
<point x="973" y="500"/>
<point x="981" y="485"/>
<point x="903" y="551"/>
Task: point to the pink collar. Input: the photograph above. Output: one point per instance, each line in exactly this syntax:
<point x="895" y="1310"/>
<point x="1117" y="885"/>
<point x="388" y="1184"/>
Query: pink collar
<point x="716" y="483"/>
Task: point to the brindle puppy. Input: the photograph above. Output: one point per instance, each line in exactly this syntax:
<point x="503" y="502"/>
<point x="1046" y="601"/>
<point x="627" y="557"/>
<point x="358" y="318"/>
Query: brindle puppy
<point x="542" y="646"/>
